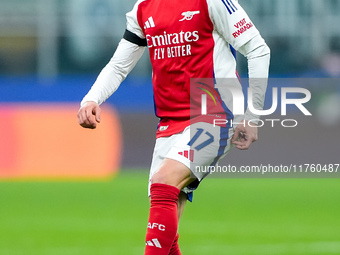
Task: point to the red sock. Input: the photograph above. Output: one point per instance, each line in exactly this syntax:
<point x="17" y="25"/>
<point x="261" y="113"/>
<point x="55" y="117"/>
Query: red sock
<point x="162" y="225"/>
<point x="175" y="248"/>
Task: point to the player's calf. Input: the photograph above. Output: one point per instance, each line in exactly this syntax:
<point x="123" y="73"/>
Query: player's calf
<point x="163" y="221"/>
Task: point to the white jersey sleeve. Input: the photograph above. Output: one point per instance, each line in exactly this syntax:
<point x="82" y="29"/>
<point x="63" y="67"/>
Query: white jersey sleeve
<point x="231" y="22"/>
<point x="258" y="56"/>
<point x="114" y="73"/>
<point x="132" y="22"/>
<point x="127" y="54"/>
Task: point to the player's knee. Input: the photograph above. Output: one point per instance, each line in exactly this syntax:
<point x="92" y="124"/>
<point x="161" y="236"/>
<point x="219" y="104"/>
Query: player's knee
<point x="159" y="177"/>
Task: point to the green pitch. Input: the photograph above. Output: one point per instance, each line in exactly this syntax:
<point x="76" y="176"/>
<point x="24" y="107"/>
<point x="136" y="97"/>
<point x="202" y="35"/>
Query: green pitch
<point x="228" y="216"/>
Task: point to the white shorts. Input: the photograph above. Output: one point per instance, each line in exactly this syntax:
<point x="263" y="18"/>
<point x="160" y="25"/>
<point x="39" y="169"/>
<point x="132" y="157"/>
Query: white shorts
<point x="199" y="145"/>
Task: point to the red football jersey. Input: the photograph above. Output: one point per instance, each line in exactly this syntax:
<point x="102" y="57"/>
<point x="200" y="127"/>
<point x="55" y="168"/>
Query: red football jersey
<point x="189" y="39"/>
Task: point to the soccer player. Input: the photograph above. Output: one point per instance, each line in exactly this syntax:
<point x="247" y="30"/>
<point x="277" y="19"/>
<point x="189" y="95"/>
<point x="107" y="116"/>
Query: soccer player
<point x="186" y="39"/>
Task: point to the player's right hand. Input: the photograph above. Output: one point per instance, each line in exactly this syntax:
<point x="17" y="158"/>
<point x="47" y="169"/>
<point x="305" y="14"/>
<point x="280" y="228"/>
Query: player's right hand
<point x="89" y="115"/>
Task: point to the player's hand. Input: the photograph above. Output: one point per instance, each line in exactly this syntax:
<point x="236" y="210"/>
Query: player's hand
<point x="89" y="115"/>
<point x="245" y="135"/>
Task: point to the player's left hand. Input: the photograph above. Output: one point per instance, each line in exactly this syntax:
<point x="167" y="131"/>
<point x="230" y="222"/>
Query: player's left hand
<point x="245" y="135"/>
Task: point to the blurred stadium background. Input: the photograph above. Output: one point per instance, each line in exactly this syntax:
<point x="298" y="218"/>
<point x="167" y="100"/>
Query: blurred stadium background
<point x="60" y="190"/>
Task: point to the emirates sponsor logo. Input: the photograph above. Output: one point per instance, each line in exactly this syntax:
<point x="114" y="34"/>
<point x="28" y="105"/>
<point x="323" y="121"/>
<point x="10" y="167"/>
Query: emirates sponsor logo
<point x="172" y="45"/>
<point x="172" y="39"/>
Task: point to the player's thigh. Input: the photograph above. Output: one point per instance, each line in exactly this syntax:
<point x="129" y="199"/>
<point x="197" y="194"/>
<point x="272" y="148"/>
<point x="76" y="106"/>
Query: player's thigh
<point x="162" y="147"/>
<point x="202" y="144"/>
<point x="172" y="172"/>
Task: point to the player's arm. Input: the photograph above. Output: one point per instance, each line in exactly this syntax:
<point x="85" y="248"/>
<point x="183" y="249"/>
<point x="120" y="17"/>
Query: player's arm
<point x="234" y="25"/>
<point x="258" y="57"/>
<point x="128" y="52"/>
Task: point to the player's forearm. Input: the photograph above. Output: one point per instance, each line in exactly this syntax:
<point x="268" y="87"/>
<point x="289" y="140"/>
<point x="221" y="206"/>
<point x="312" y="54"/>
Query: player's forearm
<point x="258" y="79"/>
<point x="258" y="55"/>
<point x="114" y="73"/>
